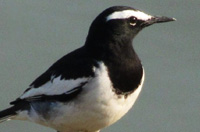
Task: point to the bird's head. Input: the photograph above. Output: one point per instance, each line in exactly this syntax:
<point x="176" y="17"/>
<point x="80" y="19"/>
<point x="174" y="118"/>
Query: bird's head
<point x="121" y="22"/>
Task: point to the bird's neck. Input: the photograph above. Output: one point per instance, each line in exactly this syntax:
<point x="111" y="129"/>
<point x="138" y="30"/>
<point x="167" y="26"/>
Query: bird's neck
<point x="105" y="47"/>
<point x="122" y="62"/>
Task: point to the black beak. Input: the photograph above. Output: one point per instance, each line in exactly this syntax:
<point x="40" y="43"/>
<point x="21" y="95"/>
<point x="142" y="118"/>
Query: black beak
<point x="157" y="19"/>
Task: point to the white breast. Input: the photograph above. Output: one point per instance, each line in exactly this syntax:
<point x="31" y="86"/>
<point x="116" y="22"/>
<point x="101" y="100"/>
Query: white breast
<point x="96" y="107"/>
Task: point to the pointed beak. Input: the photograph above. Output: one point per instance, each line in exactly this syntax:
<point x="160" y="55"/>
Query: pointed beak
<point x="157" y="19"/>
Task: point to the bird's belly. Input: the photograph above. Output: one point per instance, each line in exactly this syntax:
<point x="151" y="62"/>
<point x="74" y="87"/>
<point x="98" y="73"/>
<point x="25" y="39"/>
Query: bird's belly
<point x="98" y="106"/>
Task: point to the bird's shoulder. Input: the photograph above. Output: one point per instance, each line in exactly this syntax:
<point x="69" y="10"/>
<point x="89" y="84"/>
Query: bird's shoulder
<point x="74" y="65"/>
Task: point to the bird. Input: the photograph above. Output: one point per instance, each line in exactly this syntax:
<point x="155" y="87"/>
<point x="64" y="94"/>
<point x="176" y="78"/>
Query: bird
<point x="93" y="86"/>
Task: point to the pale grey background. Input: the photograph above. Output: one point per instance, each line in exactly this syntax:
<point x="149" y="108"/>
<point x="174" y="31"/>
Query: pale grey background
<point x="35" y="33"/>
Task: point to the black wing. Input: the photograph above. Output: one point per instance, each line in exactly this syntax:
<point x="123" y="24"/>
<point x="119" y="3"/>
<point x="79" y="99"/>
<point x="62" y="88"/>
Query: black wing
<point x="73" y="66"/>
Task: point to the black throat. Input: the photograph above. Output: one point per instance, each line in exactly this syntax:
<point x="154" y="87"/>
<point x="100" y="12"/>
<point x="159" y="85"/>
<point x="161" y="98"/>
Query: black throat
<point x="124" y="67"/>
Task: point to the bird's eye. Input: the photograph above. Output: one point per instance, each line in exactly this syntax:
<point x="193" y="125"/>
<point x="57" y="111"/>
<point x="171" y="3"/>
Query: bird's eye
<point x="132" y="21"/>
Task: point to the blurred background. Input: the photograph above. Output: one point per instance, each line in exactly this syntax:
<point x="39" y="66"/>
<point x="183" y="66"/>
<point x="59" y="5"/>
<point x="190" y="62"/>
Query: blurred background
<point x="36" y="33"/>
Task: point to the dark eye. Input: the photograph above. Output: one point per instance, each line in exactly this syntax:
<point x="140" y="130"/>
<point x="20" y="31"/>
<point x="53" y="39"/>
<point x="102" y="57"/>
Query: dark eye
<point x="132" y="21"/>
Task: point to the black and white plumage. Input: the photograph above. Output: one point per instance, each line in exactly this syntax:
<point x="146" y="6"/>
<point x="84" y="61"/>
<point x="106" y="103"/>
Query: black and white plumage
<point x="93" y="86"/>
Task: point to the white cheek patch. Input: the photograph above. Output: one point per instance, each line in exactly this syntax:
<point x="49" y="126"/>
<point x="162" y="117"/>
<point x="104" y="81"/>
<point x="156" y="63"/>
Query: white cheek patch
<point x="128" y="13"/>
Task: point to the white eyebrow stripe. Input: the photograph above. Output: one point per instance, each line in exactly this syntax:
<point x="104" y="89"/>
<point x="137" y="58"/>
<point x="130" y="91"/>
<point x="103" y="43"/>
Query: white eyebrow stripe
<point x="128" y="13"/>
